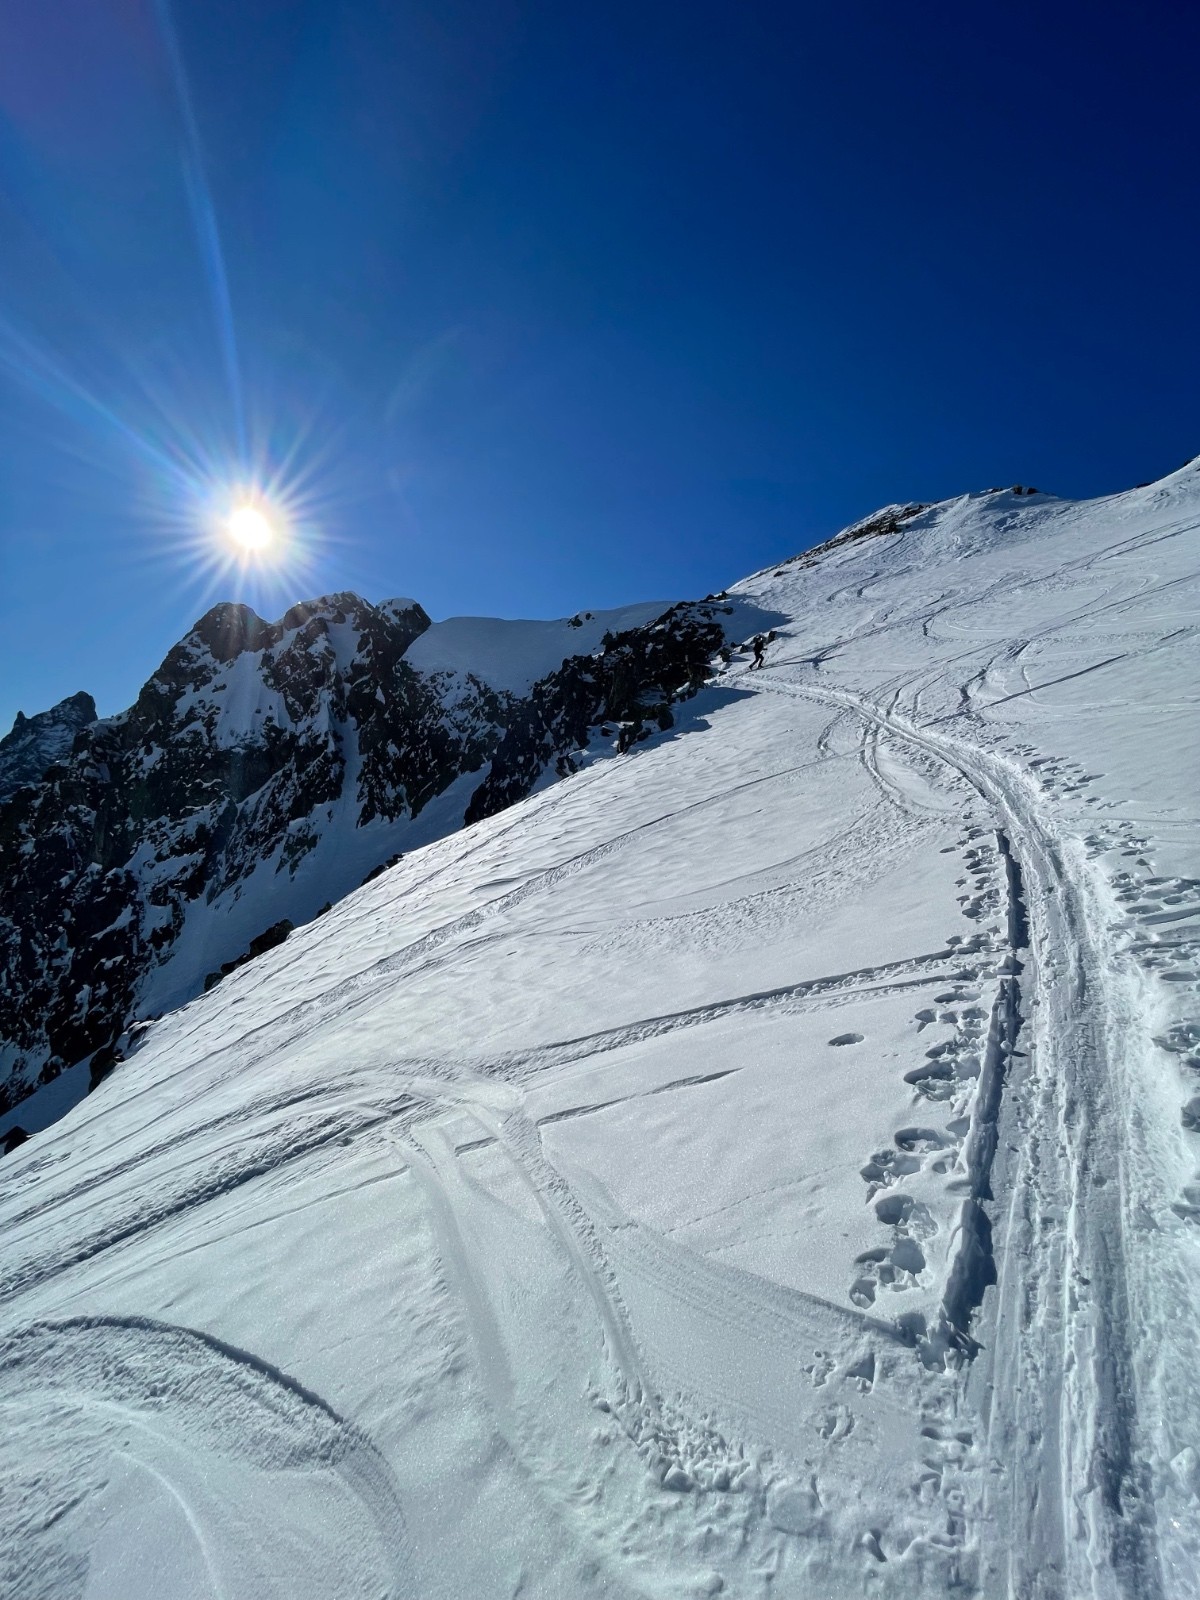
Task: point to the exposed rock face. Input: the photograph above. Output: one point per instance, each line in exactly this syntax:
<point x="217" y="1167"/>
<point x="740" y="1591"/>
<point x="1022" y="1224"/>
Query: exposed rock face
<point x="264" y="770"/>
<point x="631" y="682"/>
<point x="36" y="743"/>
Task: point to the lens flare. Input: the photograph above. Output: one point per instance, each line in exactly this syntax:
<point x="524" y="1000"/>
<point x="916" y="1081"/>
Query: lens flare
<point x="255" y="533"/>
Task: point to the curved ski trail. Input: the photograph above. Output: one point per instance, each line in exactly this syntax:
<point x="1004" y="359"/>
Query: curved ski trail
<point x="1067" y="1494"/>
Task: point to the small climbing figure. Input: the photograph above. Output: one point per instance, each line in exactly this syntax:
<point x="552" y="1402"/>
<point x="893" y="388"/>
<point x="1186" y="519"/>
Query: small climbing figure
<point x="758" y="644"/>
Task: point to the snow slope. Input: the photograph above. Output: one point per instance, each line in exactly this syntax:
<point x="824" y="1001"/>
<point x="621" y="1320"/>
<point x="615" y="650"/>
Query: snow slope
<point x="511" y="655"/>
<point x="763" y="1163"/>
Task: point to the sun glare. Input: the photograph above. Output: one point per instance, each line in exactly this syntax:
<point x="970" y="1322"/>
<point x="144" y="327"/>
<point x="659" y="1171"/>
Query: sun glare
<point x="250" y="528"/>
<point x="254" y="534"/>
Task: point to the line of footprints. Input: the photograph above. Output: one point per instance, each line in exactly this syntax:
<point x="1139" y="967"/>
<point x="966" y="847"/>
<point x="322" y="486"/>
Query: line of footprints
<point x="947" y="1077"/>
<point x="1163" y="936"/>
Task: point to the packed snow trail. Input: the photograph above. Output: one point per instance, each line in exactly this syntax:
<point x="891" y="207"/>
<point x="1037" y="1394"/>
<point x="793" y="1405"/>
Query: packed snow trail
<point x="765" y="1163"/>
<point x="1061" y="1362"/>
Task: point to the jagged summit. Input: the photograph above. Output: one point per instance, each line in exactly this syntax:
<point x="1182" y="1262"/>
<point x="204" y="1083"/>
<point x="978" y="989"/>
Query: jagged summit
<point x="35" y="743"/>
<point x="76" y="709"/>
<point x="227" y="629"/>
<point x="230" y="628"/>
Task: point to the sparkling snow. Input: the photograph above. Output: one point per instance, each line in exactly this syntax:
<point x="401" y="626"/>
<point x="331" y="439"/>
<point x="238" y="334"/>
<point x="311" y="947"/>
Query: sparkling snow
<point x="766" y="1163"/>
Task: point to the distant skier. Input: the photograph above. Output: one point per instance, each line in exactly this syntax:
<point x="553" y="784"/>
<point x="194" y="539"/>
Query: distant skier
<point x="758" y="644"/>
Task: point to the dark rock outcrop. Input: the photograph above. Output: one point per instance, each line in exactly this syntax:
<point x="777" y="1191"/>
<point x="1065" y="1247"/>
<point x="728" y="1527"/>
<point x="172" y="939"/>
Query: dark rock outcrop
<point x="631" y="682"/>
<point x="258" y="946"/>
<point x="35" y="743"/>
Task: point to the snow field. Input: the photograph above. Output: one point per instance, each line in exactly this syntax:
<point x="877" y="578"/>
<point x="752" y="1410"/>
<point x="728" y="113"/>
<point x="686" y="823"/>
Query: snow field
<point x="763" y="1164"/>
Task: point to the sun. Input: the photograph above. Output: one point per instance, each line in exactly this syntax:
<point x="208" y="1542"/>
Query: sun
<point x="251" y="528"/>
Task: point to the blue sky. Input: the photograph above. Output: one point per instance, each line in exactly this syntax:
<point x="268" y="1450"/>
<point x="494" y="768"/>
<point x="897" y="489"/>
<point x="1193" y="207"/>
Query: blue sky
<point x="533" y="306"/>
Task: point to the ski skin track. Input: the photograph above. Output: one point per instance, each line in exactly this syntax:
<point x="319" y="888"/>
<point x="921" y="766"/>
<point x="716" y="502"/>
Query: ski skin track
<point x="1080" y="1523"/>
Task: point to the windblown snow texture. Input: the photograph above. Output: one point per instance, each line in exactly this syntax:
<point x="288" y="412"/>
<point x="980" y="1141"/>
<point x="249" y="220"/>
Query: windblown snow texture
<point x="759" y="1156"/>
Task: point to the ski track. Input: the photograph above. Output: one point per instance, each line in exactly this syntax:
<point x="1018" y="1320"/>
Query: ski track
<point x="259" y="1146"/>
<point x="680" y="1440"/>
<point x="363" y="987"/>
<point x="1069" y="1385"/>
<point x="177" y="1389"/>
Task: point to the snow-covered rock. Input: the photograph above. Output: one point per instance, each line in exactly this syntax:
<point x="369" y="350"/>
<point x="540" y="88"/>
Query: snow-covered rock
<point x="513" y="656"/>
<point x="34" y="744"/>
<point x="266" y="770"/>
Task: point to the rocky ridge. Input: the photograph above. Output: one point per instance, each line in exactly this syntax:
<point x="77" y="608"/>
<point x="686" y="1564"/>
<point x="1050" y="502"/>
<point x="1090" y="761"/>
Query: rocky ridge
<point x="34" y="744"/>
<point x="264" y="770"/>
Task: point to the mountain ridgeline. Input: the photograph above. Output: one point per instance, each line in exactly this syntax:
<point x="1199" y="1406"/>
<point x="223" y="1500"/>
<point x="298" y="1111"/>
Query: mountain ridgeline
<point x="265" y="770"/>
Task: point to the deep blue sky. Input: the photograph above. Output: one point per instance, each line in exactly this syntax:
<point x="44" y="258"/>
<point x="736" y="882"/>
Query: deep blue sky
<point x="563" y="305"/>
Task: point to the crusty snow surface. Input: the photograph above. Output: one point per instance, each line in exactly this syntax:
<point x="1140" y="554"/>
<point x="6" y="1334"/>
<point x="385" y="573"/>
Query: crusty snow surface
<point x="761" y="1164"/>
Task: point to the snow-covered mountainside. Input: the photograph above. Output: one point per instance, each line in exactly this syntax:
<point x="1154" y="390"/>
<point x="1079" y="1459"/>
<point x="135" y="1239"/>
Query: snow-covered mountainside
<point x="763" y="1162"/>
<point x="265" y="770"/>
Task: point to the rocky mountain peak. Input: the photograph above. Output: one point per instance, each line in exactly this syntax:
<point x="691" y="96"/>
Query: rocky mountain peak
<point x="266" y="768"/>
<point x="35" y="743"/>
<point x="227" y="630"/>
<point x="230" y="629"/>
